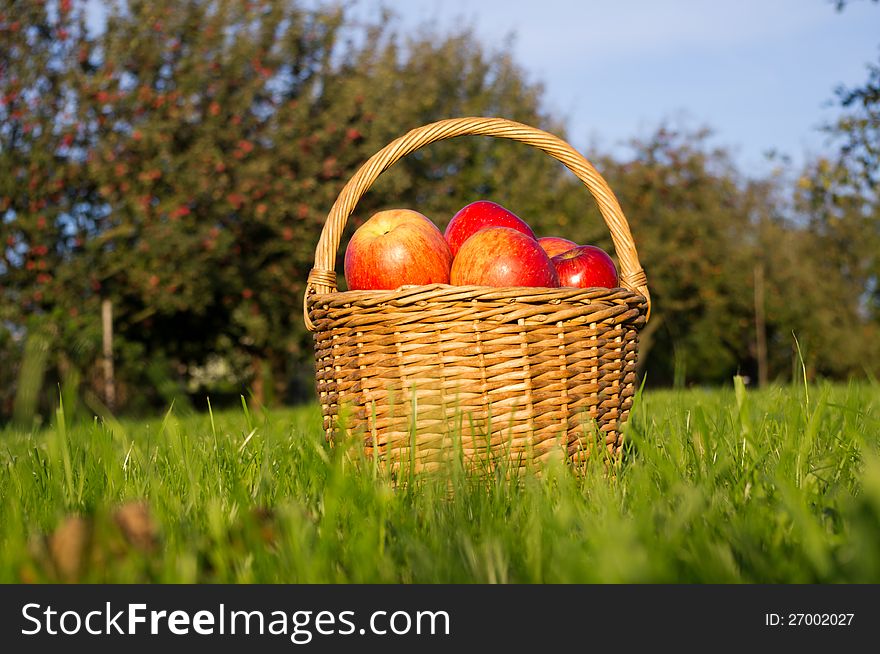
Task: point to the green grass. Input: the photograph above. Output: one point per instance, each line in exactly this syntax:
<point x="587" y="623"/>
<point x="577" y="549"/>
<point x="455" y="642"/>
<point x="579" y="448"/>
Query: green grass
<point x="726" y="486"/>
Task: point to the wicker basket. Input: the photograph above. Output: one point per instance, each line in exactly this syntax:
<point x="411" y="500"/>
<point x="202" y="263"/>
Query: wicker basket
<point x="423" y="373"/>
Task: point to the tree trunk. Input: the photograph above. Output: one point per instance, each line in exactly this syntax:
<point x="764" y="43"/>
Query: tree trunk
<point x="646" y="341"/>
<point x="760" y="325"/>
<point x="258" y="389"/>
<point x="109" y="378"/>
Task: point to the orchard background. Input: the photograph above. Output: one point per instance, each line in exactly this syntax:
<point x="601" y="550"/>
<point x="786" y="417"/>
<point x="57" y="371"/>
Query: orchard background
<point x="174" y="168"/>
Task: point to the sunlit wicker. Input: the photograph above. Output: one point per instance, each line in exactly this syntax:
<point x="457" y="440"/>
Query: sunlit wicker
<point x="423" y="373"/>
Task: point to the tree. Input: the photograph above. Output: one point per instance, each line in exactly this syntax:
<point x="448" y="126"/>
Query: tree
<point x="693" y="226"/>
<point x="44" y="193"/>
<point x="188" y="154"/>
<point x="858" y="129"/>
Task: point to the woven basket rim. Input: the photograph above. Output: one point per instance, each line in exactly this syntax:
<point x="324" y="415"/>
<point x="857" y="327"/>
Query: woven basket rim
<point x="425" y="293"/>
<point x="444" y="304"/>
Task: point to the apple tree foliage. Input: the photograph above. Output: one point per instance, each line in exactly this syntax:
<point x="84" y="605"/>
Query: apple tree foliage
<point x="180" y="159"/>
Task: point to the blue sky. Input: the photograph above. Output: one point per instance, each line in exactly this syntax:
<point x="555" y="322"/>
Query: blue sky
<point x="761" y="73"/>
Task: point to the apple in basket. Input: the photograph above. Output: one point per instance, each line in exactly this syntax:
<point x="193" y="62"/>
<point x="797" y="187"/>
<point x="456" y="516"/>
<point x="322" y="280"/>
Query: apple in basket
<point x="394" y="248"/>
<point x="478" y="215"/>
<point x="554" y="245"/>
<point x="586" y="266"/>
<point x="502" y="256"/>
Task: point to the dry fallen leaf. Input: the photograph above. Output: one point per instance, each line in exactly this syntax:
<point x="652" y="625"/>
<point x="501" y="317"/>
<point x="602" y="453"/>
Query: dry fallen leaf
<point x="136" y="524"/>
<point x="68" y="545"/>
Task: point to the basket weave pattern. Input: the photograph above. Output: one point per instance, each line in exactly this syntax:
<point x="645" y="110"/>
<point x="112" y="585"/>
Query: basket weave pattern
<point x="421" y="371"/>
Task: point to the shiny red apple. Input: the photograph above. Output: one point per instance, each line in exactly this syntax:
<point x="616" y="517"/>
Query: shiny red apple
<point x="501" y="256"/>
<point x="478" y="215"/>
<point x="586" y="266"/>
<point x="554" y="245"/>
<point x="394" y="248"/>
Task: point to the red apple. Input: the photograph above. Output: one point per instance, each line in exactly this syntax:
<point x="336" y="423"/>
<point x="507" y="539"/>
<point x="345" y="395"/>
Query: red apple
<point x="396" y="247"/>
<point x="477" y="215"/>
<point x="586" y="266"/>
<point x="501" y="256"/>
<point x="554" y="245"/>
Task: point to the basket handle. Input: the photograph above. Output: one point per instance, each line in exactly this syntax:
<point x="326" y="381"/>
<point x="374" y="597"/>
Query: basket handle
<point x="322" y="278"/>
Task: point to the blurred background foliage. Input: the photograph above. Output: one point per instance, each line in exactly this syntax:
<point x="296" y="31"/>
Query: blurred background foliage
<point x="181" y="161"/>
